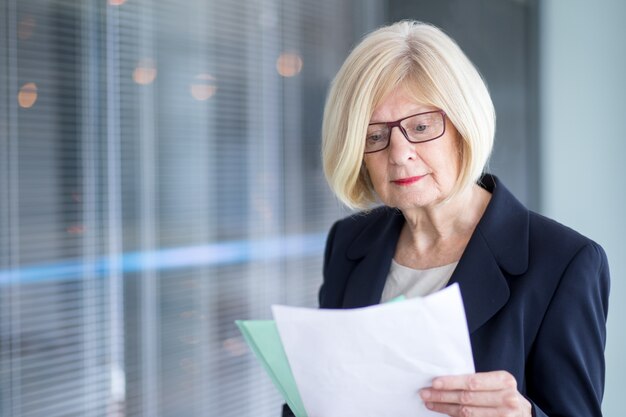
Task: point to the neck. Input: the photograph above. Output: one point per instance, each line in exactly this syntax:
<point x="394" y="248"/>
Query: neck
<point x="426" y="227"/>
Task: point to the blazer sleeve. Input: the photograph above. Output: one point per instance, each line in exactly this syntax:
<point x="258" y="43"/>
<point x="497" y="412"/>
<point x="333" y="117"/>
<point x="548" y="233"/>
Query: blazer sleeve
<point x="324" y="289"/>
<point x="566" y="367"/>
<point x="287" y="411"/>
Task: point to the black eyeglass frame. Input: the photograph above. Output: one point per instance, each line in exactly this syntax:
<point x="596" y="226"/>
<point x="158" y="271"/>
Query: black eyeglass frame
<point x="391" y="125"/>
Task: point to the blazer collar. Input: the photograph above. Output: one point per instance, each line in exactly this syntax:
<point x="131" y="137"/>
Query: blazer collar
<point x="498" y="246"/>
<point x="384" y="231"/>
<point x="505" y="227"/>
<point x="372" y="250"/>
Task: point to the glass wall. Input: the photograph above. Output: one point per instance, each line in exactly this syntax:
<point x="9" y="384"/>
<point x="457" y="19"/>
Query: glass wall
<point x="159" y="178"/>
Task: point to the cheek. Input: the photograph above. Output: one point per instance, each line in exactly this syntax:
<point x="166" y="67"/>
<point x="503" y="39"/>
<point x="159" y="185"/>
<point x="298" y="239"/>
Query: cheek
<point x="375" y="178"/>
<point x="448" y="161"/>
<point x="375" y="170"/>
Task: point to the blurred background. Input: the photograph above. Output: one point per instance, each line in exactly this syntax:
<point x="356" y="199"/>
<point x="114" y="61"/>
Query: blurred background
<point x="160" y="177"/>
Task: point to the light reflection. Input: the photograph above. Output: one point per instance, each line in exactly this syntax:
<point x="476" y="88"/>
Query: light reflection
<point x="190" y="314"/>
<point x="26" y="27"/>
<point x="76" y="229"/>
<point x="145" y="72"/>
<point x="289" y="64"/>
<point x="215" y="254"/>
<point x="116" y="2"/>
<point x="27" y="95"/>
<point x="204" y="87"/>
<point x="234" y="346"/>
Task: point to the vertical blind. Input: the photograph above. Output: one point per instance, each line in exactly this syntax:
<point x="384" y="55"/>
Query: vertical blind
<point x="159" y="178"/>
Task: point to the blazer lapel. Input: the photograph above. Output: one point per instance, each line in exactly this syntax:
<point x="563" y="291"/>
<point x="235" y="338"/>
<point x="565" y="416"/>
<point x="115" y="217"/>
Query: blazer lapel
<point x="372" y="251"/>
<point x="497" y="250"/>
<point x="483" y="287"/>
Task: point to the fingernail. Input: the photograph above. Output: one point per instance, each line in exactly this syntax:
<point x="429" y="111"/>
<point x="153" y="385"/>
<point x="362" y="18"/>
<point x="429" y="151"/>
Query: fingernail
<point x="429" y="405"/>
<point x="425" y="394"/>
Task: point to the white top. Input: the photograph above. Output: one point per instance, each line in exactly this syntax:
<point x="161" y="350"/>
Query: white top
<point x="411" y="283"/>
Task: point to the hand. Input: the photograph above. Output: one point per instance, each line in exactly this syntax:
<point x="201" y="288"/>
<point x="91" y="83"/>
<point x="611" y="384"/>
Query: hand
<point x="484" y="394"/>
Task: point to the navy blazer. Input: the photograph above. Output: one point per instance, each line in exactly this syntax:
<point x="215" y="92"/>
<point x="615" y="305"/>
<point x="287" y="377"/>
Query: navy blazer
<point x="535" y="295"/>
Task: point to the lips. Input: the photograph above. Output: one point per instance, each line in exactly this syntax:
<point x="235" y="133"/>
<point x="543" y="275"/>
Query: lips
<point x="408" y="180"/>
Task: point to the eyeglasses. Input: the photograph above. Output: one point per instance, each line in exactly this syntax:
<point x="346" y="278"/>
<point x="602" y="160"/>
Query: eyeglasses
<point x="416" y="128"/>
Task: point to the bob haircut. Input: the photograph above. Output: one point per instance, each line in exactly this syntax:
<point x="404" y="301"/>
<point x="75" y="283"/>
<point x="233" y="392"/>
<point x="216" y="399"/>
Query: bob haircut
<point x="432" y="68"/>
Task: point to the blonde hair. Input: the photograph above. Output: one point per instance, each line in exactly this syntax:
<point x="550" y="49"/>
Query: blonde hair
<point x="423" y="59"/>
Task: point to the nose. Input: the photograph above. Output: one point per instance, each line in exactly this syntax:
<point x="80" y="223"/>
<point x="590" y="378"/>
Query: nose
<point x="400" y="149"/>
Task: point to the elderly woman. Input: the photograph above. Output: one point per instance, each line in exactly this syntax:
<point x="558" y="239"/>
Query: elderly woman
<point x="409" y="123"/>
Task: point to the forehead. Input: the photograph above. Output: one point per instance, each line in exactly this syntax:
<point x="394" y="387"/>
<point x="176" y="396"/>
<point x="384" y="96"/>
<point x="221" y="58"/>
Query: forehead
<point x="400" y="103"/>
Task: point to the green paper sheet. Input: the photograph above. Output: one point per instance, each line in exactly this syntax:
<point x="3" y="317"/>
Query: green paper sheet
<point x="263" y="338"/>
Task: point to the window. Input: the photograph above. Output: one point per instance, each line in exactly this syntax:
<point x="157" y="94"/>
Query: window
<point x="159" y="178"/>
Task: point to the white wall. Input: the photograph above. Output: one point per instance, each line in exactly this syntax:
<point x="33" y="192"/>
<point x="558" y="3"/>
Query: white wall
<point x="583" y="145"/>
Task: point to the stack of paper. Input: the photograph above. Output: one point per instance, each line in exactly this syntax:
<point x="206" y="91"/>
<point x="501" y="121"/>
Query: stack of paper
<point x="363" y="362"/>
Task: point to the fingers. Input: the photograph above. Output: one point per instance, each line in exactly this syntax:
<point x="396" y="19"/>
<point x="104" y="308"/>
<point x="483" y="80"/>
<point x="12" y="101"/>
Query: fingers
<point x="455" y="410"/>
<point x="475" y="398"/>
<point x="483" y="381"/>
<point x="482" y="394"/>
<point x="519" y="407"/>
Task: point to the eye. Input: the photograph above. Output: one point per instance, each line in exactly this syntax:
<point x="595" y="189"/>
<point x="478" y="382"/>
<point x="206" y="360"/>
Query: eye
<point x="420" y="128"/>
<point x="375" y="137"/>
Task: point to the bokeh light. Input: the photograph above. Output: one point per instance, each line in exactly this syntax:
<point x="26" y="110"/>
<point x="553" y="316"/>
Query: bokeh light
<point x="145" y="72"/>
<point x="27" y="95"/>
<point x="235" y="346"/>
<point x="26" y="27"/>
<point x="203" y="87"/>
<point x="289" y="64"/>
<point x="116" y="2"/>
<point x="76" y="229"/>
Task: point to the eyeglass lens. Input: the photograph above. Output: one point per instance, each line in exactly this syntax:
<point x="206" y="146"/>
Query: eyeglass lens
<point x="418" y="128"/>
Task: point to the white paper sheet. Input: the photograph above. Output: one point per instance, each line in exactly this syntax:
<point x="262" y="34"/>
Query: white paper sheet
<point x="372" y="361"/>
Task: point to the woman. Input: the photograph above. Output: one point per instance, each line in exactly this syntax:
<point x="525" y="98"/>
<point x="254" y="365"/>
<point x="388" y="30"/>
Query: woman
<point x="409" y="123"/>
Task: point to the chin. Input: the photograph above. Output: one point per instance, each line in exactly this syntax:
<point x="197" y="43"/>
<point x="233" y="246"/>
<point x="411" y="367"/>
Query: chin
<point x="408" y="202"/>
